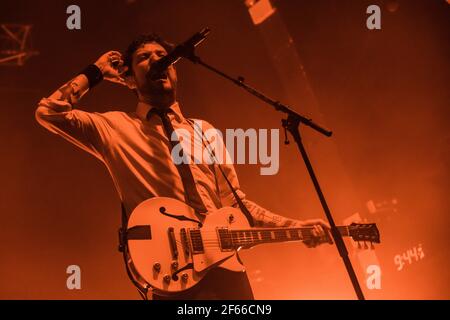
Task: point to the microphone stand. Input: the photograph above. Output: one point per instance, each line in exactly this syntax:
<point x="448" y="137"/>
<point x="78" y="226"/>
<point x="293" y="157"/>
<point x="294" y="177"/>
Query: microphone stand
<point x="292" y="124"/>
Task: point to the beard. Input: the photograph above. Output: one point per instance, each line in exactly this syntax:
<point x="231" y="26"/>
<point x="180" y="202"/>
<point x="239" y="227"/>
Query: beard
<point x="161" y="88"/>
<point x="160" y="84"/>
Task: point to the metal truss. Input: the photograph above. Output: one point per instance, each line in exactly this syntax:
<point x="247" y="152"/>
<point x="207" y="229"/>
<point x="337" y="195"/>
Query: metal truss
<point x="15" y="44"/>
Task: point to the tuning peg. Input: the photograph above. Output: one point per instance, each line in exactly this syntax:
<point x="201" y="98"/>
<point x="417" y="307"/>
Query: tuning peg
<point x="359" y="244"/>
<point x="365" y="245"/>
<point x="371" y="246"/>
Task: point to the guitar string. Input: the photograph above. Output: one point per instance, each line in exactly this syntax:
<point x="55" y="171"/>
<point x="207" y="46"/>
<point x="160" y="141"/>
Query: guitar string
<point x="207" y="242"/>
<point x="216" y="243"/>
<point x="240" y="241"/>
<point x="249" y="240"/>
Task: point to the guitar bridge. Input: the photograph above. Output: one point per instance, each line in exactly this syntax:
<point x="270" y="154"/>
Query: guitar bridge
<point x="173" y="243"/>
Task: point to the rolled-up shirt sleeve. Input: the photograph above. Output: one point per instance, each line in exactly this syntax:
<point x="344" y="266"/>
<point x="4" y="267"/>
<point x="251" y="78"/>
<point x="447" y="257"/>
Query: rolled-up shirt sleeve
<point x="86" y="130"/>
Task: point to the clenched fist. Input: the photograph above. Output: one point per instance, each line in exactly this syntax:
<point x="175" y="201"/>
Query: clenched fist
<point x="111" y="65"/>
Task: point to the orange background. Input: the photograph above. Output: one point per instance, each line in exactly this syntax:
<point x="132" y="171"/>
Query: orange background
<point x="383" y="93"/>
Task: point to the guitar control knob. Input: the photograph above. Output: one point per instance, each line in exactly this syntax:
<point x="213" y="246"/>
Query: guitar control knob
<point x="175" y="265"/>
<point x="184" y="277"/>
<point x="230" y="218"/>
<point x="157" y="267"/>
<point x="166" y="278"/>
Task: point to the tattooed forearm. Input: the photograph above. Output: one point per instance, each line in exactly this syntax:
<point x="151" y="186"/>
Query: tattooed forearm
<point x="265" y="218"/>
<point x="72" y="91"/>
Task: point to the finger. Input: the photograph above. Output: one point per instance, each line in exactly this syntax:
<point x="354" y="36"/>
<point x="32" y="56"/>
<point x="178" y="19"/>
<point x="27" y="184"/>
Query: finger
<point x="320" y="231"/>
<point x="119" y="80"/>
<point x="323" y="236"/>
<point x="115" y="61"/>
<point x="311" y="222"/>
<point x="113" y="52"/>
<point x="323" y="224"/>
<point x="122" y="81"/>
<point x="115" y="57"/>
<point x="314" y="231"/>
<point x="116" y="64"/>
<point x="122" y="70"/>
<point x="329" y="237"/>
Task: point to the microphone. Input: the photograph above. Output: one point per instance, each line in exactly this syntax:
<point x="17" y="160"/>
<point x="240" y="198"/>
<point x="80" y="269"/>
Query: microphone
<point x="185" y="50"/>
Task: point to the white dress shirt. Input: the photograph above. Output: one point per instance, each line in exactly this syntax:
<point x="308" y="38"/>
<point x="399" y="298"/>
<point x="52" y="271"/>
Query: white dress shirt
<point x="136" y="152"/>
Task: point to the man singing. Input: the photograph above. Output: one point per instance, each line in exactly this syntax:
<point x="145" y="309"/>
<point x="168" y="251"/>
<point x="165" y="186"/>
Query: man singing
<point x="136" y="149"/>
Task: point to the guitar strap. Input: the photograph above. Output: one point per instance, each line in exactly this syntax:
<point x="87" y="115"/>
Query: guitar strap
<point x="212" y="154"/>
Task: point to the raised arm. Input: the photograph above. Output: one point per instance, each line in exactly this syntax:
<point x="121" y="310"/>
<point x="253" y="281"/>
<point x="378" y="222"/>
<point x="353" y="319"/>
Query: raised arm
<point x="57" y="114"/>
<point x="109" y="67"/>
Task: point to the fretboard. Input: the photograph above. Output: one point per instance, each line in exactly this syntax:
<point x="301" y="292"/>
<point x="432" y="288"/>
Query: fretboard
<point x="249" y="237"/>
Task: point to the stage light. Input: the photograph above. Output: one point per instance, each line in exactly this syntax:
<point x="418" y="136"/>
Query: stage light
<point x="259" y="10"/>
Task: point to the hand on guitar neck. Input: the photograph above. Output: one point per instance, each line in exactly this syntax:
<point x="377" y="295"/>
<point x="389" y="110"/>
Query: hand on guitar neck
<point x="321" y="232"/>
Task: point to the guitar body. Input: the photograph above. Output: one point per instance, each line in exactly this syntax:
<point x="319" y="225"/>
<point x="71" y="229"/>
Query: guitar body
<point x="167" y="251"/>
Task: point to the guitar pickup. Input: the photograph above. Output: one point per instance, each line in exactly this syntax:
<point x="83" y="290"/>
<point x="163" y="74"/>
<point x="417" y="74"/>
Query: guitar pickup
<point x="173" y="243"/>
<point x="196" y="241"/>
<point x="225" y="240"/>
<point x="184" y="241"/>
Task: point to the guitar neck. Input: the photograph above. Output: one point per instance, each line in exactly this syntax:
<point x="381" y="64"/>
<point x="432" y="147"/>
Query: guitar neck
<point x="254" y="236"/>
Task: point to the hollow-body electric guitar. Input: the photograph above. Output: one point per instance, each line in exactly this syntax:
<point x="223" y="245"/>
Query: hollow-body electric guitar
<point x="172" y="248"/>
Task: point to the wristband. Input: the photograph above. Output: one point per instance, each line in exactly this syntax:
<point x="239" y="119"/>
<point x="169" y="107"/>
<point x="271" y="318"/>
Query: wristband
<point x="94" y="75"/>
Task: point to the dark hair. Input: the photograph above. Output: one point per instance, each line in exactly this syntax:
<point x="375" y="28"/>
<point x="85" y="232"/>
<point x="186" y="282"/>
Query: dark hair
<point x="138" y="42"/>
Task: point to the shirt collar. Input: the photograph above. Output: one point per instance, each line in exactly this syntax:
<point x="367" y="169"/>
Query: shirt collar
<point x="143" y="108"/>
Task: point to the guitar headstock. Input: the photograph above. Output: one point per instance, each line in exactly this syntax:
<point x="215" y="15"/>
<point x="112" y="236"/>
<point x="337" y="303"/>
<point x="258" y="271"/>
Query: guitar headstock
<point x="366" y="232"/>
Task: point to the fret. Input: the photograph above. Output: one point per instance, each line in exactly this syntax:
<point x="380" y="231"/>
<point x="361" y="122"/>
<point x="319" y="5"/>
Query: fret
<point x="247" y="237"/>
<point x="234" y="237"/>
<point x="265" y="235"/>
<point x="294" y="234"/>
<point x="242" y="237"/>
<point x="280" y="234"/>
<point x="252" y="239"/>
<point x="255" y="235"/>
<point x="238" y="237"/>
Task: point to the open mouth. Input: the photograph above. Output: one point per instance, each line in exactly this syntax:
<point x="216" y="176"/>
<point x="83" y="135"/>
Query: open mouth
<point x="158" y="76"/>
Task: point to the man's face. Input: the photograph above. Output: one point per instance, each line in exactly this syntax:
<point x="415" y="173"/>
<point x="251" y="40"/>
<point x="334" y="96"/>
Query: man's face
<point x="165" y="84"/>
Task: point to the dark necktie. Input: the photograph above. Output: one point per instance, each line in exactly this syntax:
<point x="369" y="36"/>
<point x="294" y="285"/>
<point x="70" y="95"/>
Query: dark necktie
<point x="190" y="191"/>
